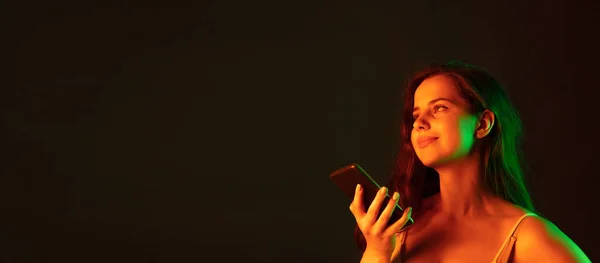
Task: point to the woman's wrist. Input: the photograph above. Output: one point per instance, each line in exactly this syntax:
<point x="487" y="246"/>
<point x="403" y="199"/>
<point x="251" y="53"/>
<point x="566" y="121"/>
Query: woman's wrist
<point x="374" y="257"/>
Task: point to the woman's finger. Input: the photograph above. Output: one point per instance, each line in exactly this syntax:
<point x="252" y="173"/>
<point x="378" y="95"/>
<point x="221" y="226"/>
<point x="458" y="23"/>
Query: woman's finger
<point x="396" y="226"/>
<point x="375" y="206"/>
<point x="384" y="218"/>
<point x="356" y="207"/>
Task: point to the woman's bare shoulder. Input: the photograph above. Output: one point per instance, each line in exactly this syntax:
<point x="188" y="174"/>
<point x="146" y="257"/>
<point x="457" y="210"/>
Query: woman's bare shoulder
<point x="539" y="239"/>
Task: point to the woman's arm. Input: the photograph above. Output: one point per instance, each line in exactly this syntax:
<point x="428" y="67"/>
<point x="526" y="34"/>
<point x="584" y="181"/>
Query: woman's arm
<point x="539" y="240"/>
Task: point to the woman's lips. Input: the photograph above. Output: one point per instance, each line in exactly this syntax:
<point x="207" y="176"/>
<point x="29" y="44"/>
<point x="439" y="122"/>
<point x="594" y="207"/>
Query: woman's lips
<point x="424" y="141"/>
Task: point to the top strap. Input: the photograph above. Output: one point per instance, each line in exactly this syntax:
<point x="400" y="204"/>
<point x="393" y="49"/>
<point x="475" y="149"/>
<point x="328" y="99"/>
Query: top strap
<point x="511" y="234"/>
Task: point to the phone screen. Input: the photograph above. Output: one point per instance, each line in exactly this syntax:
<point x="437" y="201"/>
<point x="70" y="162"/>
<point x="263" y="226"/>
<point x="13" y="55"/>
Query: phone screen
<point x="347" y="177"/>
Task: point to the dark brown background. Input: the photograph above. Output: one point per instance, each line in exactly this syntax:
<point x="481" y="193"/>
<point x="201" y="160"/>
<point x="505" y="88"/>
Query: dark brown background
<point x="206" y="132"/>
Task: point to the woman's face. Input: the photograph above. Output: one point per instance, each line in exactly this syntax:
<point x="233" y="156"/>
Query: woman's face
<point x="443" y="129"/>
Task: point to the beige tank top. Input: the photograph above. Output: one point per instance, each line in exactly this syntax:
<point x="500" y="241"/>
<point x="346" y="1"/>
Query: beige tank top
<point x="505" y="250"/>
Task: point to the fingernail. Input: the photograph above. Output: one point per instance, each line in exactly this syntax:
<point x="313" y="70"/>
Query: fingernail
<point x="383" y="190"/>
<point x="358" y="187"/>
<point x="395" y="196"/>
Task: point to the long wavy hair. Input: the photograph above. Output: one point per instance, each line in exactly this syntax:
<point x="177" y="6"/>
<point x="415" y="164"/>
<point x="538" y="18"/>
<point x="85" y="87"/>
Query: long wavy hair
<point x="501" y="148"/>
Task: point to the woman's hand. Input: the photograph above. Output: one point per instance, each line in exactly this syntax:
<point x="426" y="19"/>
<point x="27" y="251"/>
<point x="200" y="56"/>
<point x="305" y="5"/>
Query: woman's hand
<point x="381" y="238"/>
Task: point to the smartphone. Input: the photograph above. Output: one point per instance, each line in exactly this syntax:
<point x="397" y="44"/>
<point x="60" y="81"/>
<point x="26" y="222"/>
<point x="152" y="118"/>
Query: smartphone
<point x="347" y="177"/>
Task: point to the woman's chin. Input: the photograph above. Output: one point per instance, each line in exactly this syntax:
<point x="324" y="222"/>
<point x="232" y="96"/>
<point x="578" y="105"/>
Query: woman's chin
<point x="431" y="163"/>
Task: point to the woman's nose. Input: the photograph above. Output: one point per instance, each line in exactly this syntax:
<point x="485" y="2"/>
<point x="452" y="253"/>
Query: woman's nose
<point x="420" y="124"/>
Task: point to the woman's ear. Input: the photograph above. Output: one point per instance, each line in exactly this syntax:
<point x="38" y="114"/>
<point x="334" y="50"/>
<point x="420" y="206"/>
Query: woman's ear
<point x="485" y="124"/>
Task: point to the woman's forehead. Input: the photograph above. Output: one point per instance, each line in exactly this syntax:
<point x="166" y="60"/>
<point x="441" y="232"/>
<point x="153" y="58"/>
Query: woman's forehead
<point x="434" y="88"/>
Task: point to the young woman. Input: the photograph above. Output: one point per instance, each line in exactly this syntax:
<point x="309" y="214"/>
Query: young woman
<point x="459" y="172"/>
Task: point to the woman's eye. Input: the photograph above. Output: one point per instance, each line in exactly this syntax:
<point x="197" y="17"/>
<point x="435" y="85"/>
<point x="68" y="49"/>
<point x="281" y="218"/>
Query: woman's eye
<point x="436" y="109"/>
<point x="439" y="107"/>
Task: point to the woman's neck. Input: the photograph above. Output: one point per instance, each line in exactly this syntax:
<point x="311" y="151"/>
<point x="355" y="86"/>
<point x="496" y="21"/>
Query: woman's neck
<point x="462" y="190"/>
